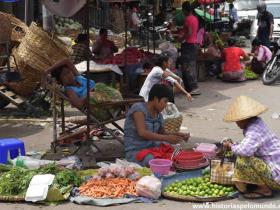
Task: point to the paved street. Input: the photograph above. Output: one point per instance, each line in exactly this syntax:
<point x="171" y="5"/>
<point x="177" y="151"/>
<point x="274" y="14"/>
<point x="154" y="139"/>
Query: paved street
<point x="202" y="117"/>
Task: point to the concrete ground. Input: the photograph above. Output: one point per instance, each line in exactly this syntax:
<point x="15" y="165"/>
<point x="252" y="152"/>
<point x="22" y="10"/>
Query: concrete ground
<point x="202" y="117"/>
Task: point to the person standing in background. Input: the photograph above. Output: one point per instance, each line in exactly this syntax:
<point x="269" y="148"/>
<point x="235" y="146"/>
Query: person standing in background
<point x="189" y="50"/>
<point x="265" y="25"/>
<point x="233" y="17"/>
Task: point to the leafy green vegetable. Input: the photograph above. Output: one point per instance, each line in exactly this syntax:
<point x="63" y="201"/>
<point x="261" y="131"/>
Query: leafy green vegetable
<point x="15" y="180"/>
<point x="67" y="177"/>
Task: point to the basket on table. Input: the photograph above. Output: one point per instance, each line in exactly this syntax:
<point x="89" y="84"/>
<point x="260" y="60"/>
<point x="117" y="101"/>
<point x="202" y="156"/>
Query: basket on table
<point x="172" y="118"/>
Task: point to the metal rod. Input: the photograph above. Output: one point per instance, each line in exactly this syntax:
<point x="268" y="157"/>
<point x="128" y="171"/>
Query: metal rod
<point x="26" y="11"/>
<point x="62" y="115"/>
<point x="125" y="28"/>
<point x="54" y="117"/>
<point x="148" y="25"/>
<point x="153" y="35"/>
<point x="87" y="73"/>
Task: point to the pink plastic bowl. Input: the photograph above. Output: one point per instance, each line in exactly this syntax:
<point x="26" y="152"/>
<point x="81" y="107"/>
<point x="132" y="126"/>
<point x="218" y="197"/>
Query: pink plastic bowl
<point x="160" y="166"/>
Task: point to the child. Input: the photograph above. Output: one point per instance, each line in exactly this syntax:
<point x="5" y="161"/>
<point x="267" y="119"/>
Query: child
<point x="159" y="73"/>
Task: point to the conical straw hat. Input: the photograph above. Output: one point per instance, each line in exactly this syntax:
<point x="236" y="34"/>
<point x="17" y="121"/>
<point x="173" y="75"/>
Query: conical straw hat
<point x="243" y="108"/>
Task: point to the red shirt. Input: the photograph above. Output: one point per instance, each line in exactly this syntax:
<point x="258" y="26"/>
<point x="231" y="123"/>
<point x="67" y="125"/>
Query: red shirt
<point x="191" y="22"/>
<point x="231" y="56"/>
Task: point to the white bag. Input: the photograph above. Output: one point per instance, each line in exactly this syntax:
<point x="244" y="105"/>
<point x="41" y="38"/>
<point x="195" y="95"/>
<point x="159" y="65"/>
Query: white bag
<point x="149" y="187"/>
<point x="170" y="111"/>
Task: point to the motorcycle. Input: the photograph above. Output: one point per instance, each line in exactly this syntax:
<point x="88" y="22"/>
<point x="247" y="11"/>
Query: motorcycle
<point x="272" y="70"/>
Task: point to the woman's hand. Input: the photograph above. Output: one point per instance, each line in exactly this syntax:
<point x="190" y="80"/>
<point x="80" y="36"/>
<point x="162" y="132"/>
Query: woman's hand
<point x="174" y="139"/>
<point x="186" y="136"/>
<point x="227" y="145"/>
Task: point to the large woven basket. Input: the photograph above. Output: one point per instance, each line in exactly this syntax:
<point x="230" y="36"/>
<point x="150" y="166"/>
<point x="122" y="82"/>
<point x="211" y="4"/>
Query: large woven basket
<point x="195" y="199"/>
<point x="172" y="125"/>
<point x="6" y="28"/>
<point x="18" y="29"/>
<point x="39" y="50"/>
<point x="15" y="198"/>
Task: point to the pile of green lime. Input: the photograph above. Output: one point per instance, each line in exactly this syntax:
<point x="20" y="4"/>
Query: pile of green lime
<point x="198" y="187"/>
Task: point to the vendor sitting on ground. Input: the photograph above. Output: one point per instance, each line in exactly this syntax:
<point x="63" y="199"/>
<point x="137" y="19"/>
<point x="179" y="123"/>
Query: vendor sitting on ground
<point x="103" y="47"/>
<point x="261" y="56"/>
<point x="232" y="69"/>
<point x="257" y="168"/>
<point x="81" y="51"/>
<point x="160" y="73"/>
<point x="75" y="87"/>
<point x="144" y="126"/>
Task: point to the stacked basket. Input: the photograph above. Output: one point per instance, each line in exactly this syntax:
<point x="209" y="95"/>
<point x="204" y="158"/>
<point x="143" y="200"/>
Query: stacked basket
<point x="36" y="52"/>
<point x="18" y="27"/>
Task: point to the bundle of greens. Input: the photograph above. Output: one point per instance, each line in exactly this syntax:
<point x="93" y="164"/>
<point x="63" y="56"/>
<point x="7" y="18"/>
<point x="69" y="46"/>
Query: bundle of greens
<point x="249" y="74"/>
<point x="15" y="180"/>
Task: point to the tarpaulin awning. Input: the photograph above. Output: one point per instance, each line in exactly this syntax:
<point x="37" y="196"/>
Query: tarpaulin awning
<point x="64" y="8"/>
<point x="207" y="16"/>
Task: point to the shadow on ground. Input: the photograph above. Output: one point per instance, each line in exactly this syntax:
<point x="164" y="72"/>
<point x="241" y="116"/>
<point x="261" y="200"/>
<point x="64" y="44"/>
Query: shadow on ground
<point x="10" y="130"/>
<point x="210" y="94"/>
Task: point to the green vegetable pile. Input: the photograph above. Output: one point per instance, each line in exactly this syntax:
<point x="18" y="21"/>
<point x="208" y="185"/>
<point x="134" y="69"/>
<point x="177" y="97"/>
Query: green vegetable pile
<point x="15" y="180"/>
<point x="249" y="74"/>
<point x="199" y="187"/>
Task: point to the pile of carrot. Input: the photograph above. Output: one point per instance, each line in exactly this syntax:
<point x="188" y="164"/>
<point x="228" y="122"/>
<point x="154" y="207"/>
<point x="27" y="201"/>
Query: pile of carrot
<point x="108" y="188"/>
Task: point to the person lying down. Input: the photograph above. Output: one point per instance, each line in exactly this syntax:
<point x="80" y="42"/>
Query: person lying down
<point x="75" y="87"/>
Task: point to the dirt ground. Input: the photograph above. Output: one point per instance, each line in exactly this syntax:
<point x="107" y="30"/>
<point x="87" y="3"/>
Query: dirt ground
<point x="202" y="117"/>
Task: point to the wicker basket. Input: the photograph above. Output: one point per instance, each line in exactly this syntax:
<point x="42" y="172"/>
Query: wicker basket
<point x="39" y="50"/>
<point x="172" y="125"/>
<point x="19" y="28"/>
<point x="6" y="28"/>
<point x="6" y="198"/>
<point x="195" y="199"/>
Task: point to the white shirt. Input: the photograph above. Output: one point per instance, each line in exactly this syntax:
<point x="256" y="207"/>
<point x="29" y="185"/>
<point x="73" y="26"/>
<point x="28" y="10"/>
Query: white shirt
<point x="154" y="77"/>
<point x="233" y="14"/>
<point x="135" y="20"/>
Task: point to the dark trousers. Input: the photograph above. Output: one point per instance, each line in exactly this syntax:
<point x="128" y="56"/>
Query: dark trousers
<point x="188" y="66"/>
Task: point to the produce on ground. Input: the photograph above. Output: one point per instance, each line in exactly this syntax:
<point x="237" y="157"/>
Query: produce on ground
<point x="249" y="74"/>
<point x="114" y="171"/>
<point x="108" y="188"/>
<point x="21" y="177"/>
<point x="199" y="187"/>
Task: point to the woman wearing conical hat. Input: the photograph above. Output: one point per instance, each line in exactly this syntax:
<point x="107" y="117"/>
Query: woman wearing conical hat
<point x="257" y="168"/>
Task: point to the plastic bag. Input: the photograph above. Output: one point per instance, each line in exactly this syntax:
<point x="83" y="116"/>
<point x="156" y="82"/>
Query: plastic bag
<point x="170" y="111"/>
<point x="149" y="187"/>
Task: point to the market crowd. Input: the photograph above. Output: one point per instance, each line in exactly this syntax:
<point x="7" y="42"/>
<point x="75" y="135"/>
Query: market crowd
<point x="257" y="168"/>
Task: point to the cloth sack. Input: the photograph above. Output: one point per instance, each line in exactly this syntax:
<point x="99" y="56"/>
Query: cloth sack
<point x="221" y="172"/>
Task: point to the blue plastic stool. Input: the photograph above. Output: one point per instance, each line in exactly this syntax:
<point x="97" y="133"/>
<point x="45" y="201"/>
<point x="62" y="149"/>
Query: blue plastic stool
<point x="13" y="146"/>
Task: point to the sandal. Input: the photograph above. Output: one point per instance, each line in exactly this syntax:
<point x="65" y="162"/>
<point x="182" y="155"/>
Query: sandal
<point x="256" y="195"/>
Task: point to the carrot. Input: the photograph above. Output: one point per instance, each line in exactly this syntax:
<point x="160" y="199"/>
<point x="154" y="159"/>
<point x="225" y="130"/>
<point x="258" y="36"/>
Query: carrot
<point x="113" y="187"/>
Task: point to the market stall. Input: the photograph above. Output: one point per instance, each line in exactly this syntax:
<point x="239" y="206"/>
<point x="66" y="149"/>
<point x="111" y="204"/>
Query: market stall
<point x="120" y="182"/>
